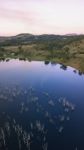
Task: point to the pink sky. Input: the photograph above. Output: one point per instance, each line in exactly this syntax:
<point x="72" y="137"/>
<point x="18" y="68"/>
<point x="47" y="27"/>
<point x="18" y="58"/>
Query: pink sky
<point x="41" y="16"/>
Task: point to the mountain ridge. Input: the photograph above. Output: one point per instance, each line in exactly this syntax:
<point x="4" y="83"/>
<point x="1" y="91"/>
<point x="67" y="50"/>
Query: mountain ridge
<point x="26" y="38"/>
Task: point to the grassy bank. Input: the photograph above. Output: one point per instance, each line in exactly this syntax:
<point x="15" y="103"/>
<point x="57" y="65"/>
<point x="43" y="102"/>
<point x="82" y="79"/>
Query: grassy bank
<point x="68" y="50"/>
<point x="36" y="52"/>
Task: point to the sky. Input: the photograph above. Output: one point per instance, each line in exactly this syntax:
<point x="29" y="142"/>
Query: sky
<point x="41" y="17"/>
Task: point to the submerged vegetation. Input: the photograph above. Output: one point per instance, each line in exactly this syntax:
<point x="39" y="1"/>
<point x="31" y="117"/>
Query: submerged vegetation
<point x="28" y="125"/>
<point x="68" y="49"/>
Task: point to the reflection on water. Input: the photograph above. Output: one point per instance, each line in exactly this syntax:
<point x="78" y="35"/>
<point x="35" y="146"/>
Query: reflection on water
<point x="41" y="106"/>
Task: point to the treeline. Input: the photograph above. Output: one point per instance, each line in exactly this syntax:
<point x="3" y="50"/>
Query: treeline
<point x="46" y="40"/>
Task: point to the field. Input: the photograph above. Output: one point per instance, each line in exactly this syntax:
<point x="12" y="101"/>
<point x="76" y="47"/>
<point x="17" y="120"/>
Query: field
<point x="68" y="50"/>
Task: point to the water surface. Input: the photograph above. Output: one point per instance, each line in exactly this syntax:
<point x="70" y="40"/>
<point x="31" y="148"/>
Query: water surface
<point x="41" y="106"/>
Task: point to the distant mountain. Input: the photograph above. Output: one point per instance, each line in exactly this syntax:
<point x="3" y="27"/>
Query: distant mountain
<point x="25" y="38"/>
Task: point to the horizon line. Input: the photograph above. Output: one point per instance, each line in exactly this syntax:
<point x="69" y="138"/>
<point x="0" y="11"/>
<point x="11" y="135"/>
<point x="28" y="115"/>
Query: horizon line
<point x="66" y="34"/>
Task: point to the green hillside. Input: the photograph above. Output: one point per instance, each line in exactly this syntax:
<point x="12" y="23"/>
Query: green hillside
<point x="67" y="49"/>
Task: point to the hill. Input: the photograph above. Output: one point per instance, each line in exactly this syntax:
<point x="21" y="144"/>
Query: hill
<point x="30" y="38"/>
<point x="67" y="49"/>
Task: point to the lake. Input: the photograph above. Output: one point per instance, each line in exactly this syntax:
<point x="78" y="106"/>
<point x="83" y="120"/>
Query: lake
<point x="41" y="106"/>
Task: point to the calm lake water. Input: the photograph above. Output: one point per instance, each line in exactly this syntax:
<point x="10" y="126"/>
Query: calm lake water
<point x="41" y="106"/>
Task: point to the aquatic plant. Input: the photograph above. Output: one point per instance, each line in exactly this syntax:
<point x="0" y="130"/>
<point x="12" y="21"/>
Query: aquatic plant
<point x="51" y="103"/>
<point x="61" y="129"/>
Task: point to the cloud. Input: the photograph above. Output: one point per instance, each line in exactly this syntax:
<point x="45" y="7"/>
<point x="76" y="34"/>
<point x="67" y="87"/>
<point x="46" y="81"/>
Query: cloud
<point x="41" y="16"/>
